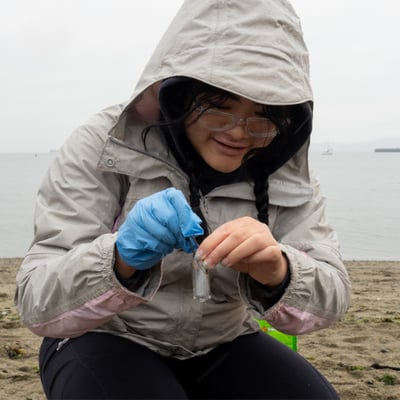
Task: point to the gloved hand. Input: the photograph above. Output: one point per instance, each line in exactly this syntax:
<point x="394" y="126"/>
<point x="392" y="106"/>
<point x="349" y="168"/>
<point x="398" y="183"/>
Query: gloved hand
<point x="156" y="226"/>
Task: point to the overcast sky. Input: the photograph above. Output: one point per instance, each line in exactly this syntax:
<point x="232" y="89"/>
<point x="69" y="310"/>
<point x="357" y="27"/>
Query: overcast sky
<point x="63" y="60"/>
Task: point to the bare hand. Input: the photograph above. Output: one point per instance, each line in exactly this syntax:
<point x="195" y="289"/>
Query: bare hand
<point x="246" y="245"/>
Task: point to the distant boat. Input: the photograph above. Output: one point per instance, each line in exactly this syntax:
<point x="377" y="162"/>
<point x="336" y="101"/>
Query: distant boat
<point x="328" y="151"/>
<point x="388" y="150"/>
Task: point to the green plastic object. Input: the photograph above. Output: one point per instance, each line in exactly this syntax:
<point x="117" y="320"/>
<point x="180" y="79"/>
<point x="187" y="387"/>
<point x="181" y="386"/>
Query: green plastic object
<point x="288" y="340"/>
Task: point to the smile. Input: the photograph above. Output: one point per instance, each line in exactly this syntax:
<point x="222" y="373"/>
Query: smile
<point x="230" y="149"/>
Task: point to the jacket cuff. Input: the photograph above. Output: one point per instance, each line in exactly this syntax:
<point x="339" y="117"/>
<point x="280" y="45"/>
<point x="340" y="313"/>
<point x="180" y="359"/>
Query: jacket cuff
<point x="264" y="295"/>
<point x="135" y="281"/>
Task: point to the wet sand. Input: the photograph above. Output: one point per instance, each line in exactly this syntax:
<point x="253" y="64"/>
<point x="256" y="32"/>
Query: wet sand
<point x="360" y="356"/>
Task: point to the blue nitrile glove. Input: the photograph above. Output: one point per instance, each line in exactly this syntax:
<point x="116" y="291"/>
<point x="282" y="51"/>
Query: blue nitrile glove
<point x="156" y="226"/>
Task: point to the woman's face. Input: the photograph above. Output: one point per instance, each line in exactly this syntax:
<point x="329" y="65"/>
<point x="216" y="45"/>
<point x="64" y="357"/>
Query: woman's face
<point x="224" y="150"/>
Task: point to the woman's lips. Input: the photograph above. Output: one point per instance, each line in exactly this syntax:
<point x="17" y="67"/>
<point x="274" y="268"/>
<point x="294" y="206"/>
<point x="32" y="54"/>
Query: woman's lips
<point x="230" y="149"/>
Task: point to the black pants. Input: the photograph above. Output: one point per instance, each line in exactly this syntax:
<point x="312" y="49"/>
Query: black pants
<point x="103" y="366"/>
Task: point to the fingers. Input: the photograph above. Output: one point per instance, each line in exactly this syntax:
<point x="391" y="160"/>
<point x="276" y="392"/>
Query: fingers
<point x="246" y="245"/>
<point x="271" y="254"/>
<point x="168" y="217"/>
<point x="154" y="227"/>
<point x="188" y="221"/>
<point x="145" y="217"/>
<point x="242" y="240"/>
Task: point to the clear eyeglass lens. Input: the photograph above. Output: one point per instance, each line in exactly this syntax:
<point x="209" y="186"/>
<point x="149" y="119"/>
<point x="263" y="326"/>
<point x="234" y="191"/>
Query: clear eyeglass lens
<point x="215" y="120"/>
<point x="261" y="128"/>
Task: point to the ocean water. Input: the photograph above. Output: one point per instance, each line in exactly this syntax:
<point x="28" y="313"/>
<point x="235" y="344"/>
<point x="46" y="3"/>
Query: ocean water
<point x="363" y="192"/>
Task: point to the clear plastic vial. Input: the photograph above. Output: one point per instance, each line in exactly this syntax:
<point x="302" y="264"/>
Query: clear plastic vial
<point x="201" y="282"/>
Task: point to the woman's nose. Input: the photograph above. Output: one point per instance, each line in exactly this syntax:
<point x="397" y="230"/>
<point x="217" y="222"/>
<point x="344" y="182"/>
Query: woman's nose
<point x="240" y="128"/>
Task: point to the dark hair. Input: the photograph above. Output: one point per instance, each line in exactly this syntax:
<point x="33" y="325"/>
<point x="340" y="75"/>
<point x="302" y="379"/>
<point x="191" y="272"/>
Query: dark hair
<point x="180" y="96"/>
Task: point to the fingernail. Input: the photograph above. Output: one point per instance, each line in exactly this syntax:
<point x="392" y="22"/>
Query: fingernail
<point x="199" y="255"/>
<point x="226" y="263"/>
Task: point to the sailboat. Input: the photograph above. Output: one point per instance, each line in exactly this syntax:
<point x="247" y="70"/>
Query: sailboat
<point x="328" y="151"/>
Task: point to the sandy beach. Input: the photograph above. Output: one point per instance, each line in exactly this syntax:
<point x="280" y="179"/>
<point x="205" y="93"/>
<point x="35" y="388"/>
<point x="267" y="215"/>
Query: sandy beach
<point x="360" y="356"/>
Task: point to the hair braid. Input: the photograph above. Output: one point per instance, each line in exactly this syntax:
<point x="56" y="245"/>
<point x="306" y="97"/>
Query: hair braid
<point x="261" y="186"/>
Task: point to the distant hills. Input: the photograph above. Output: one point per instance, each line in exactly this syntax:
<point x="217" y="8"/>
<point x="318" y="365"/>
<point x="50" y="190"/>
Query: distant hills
<point x="355" y="147"/>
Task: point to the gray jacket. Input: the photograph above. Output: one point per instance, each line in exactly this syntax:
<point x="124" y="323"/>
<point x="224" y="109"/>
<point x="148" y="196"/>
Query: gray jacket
<point x="66" y="285"/>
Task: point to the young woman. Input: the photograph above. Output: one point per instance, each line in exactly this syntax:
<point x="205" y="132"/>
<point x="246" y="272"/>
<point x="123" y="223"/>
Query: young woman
<point x="204" y="170"/>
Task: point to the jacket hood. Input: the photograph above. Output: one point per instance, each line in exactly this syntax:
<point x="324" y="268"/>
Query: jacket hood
<point x="252" y="48"/>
